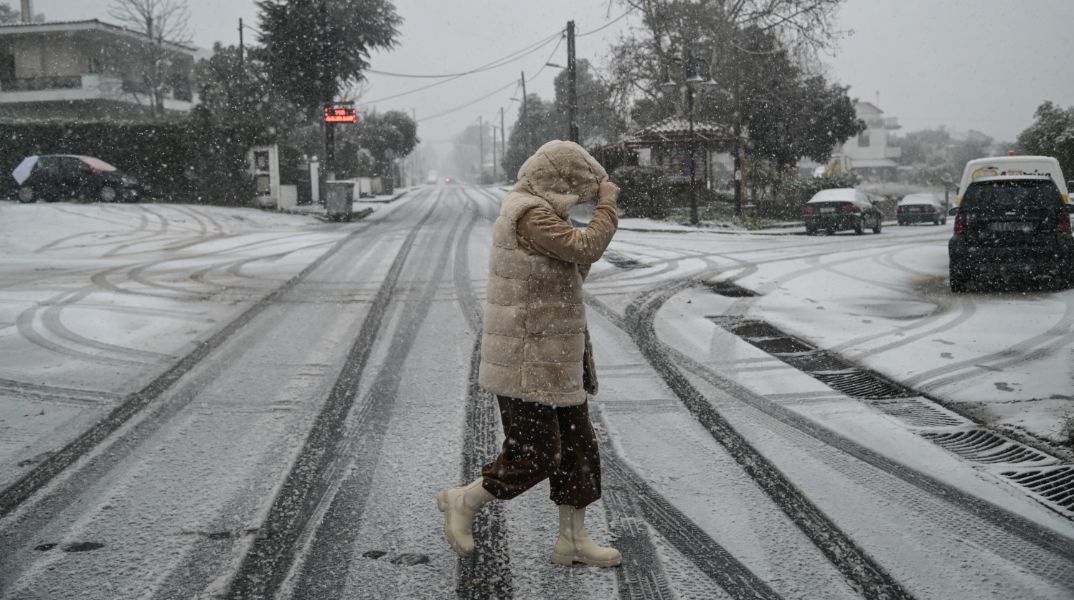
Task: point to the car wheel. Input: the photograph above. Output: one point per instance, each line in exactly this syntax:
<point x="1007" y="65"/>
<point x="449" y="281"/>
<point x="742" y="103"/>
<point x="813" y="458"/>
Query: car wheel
<point x="811" y="231"/>
<point x="830" y="230"/>
<point x="943" y="221"/>
<point x="957" y="279"/>
<point x="108" y="194"/>
<point x="859" y="226"/>
<point x="877" y="225"/>
<point x="26" y="195"/>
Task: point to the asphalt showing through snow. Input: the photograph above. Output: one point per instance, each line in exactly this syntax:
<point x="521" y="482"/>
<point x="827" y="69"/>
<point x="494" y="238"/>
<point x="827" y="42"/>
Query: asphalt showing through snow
<point x="301" y="510"/>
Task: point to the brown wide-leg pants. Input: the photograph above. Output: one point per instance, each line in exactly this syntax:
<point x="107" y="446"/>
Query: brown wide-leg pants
<point x="541" y="441"/>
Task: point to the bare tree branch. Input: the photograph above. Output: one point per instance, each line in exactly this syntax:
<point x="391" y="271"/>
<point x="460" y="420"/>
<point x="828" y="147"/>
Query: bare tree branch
<point x="162" y="22"/>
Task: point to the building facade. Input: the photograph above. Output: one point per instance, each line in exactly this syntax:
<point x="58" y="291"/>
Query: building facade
<point x="873" y="153"/>
<point x="91" y="70"/>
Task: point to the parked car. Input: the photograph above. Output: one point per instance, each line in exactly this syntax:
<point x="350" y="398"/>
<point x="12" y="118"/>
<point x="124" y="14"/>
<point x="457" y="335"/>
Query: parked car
<point x="55" y="177"/>
<point x="841" y="209"/>
<point x="921" y="208"/>
<point x="1012" y="221"/>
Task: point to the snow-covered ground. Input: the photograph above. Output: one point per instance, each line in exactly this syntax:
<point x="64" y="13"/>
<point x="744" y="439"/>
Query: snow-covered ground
<point x="883" y="301"/>
<point x="323" y="395"/>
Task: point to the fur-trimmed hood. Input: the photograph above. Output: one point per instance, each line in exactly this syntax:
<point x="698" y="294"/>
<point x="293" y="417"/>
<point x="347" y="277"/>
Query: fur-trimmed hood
<point x="561" y="173"/>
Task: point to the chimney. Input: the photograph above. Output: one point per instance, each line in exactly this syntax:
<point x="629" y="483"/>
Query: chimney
<point x="27" y="11"/>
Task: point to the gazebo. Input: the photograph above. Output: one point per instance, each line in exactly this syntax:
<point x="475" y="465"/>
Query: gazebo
<point x="666" y="144"/>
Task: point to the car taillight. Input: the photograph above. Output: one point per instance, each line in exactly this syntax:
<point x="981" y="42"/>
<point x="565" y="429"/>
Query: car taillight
<point x="807" y="210"/>
<point x="961" y="222"/>
<point x="1062" y="220"/>
<point x="900" y="209"/>
<point x="849" y="208"/>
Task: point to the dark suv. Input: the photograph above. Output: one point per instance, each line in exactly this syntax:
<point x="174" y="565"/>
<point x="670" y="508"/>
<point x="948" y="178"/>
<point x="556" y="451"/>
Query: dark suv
<point x="56" y="177"/>
<point x="1011" y="228"/>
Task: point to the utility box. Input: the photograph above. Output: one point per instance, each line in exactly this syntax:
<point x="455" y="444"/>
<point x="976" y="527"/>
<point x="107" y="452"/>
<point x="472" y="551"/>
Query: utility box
<point x="264" y="163"/>
<point x="339" y="200"/>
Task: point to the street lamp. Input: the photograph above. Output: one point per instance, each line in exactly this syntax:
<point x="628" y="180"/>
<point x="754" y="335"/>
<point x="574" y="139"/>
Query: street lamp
<point x="693" y="84"/>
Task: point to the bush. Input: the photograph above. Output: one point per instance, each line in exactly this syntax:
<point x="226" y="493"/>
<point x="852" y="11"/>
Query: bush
<point x="640" y="194"/>
<point x="192" y="161"/>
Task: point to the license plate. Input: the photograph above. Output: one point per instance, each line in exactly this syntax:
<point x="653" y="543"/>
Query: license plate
<point x="914" y="209"/>
<point x="827" y="210"/>
<point x="1017" y="226"/>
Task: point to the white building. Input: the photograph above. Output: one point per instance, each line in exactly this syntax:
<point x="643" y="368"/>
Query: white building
<point x="873" y="152"/>
<point x="86" y="70"/>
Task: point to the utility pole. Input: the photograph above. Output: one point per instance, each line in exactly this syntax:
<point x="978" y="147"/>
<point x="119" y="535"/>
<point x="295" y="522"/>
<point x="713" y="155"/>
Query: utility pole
<point x="527" y="143"/>
<point x="503" y="146"/>
<point x="481" y="145"/>
<point x="572" y="94"/>
<point x="241" y="46"/>
<point x="494" y="153"/>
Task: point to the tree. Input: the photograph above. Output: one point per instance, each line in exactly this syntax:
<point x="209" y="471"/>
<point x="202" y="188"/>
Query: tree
<point x="1052" y="134"/>
<point x="542" y="122"/>
<point x="766" y="90"/>
<point x="237" y="90"/>
<point x="160" y="68"/>
<point x="315" y="48"/>
<point x="13" y="15"/>
<point x="598" y="120"/>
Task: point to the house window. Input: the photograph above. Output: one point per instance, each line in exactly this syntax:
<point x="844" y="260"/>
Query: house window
<point x="96" y="65"/>
<point x="863" y="140"/>
<point x="7" y="67"/>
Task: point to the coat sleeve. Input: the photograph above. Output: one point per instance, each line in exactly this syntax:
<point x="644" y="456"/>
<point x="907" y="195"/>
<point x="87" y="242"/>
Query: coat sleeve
<point x="550" y="235"/>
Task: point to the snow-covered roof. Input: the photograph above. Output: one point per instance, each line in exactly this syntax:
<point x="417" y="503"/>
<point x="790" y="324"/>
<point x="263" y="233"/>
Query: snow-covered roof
<point x="919" y="199"/>
<point x="677" y="129"/>
<point x="873" y="163"/>
<point x="86" y="25"/>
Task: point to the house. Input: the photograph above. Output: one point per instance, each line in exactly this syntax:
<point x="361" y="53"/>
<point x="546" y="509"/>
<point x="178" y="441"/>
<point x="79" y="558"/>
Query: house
<point x="89" y="70"/>
<point x="873" y="152"/>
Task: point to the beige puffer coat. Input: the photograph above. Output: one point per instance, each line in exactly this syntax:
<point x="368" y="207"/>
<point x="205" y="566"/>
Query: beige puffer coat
<point x="535" y="339"/>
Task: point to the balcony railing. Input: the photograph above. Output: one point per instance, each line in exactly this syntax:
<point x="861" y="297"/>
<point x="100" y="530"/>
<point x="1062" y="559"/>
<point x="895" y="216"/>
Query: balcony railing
<point x="36" y="84"/>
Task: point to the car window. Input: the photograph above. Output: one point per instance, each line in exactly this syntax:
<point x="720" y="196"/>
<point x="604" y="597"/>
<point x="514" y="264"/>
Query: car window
<point x="1012" y="197"/>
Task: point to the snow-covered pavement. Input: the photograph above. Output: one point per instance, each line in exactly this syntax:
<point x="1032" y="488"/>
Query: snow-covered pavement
<point x="207" y="402"/>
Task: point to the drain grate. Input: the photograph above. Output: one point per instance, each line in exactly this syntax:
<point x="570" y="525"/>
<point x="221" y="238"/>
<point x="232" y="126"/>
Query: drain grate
<point x="730" y="289"/>
<point x="1048" y="481"/>
<point x="983" y="446"/>
<point x="1054" y="486"/>
<point x="916" y="413"/>
<point x="860" y="384"/>
<point x="828" y="368"/>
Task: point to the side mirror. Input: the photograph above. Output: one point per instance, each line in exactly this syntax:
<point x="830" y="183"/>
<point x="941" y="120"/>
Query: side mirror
<point x="953" y="211"/>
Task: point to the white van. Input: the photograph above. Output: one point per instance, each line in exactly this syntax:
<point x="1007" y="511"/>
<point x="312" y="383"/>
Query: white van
<point x="1012" y="167"/>
<point x="1012" y="221"/>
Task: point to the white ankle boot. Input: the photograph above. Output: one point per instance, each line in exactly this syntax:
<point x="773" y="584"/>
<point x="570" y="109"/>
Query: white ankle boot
<point x="574" y="545"/>
<point x="459" y="506"/>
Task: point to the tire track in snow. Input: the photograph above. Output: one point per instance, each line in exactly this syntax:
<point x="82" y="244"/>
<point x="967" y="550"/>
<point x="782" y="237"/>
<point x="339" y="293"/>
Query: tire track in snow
<point x="273" y="551"/>
<point x="1052" y="552"/>
<point x="487" y="572"/>
<point x="856" y="565"/>
<point x="333" y="531"/>
<point x="15" y="494"/>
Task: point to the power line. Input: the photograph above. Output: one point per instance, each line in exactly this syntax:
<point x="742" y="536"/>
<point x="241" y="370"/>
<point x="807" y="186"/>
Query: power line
<point x="470" y="103"/>
<point x="516" y="55"/>
<point x="607" y="25"/>
<point x="452" y="78"/>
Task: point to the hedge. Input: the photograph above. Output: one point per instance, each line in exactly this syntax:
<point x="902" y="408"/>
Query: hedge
<point x="189" y="161"/>
<point x="641" y="193"/>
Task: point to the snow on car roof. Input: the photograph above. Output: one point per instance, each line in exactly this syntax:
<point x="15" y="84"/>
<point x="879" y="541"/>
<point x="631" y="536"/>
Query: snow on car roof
<point x="919" y="199"/>
<point x="836" y="194"/>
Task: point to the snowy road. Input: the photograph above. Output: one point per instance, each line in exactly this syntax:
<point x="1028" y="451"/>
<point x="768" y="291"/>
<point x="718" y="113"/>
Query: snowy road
<point x="203" y="402"/>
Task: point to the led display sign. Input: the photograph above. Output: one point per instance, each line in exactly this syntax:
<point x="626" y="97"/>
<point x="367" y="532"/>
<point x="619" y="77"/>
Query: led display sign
<point x="340" y="114"/>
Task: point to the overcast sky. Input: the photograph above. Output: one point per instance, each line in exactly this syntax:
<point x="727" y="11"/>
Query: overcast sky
<point x="966" y="64"/>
